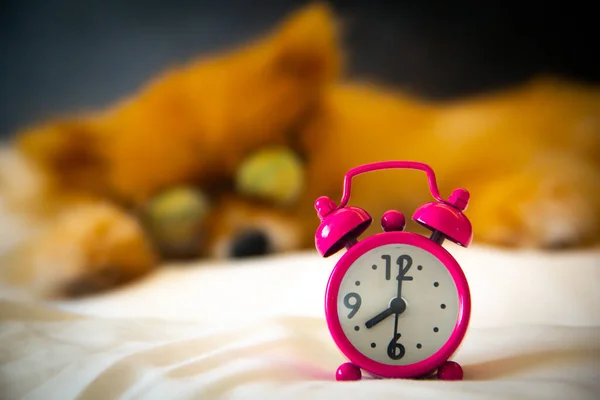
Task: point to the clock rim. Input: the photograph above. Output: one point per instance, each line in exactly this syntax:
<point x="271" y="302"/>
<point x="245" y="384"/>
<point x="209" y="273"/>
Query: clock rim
<point x="397" y="371"/>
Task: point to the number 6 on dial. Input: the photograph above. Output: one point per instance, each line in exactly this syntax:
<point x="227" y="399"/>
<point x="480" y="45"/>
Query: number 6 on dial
<point x="397" y="303"/>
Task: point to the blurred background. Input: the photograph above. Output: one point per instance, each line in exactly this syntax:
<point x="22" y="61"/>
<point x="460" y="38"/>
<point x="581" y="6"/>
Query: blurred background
<point x="62" y="56"/>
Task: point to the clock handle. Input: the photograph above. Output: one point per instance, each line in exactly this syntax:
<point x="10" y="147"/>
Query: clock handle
<point x="390" y="165"/>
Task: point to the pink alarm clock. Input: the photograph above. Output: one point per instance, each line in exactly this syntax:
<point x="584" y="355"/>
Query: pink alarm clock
<point x="397" y="303"/>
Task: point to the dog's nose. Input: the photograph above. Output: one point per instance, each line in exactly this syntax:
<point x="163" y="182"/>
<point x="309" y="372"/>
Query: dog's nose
<point x="249" y="243"/>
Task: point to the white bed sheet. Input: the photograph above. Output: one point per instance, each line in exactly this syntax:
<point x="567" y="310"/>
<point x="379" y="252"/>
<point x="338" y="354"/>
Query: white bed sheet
<point x="255" y="329"/>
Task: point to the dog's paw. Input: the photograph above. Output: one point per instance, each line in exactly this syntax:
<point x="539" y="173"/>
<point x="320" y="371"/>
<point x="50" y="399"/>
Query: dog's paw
<point x="89" y="249"/>
<point x="547" y="208"/>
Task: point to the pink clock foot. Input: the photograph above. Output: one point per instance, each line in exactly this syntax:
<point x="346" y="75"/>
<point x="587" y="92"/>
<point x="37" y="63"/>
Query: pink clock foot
<point x="450" y="371"/>
<point x="348" y="372"/>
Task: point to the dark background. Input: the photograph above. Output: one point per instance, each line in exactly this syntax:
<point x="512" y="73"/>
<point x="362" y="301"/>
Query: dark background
<point x="60" y="56"/>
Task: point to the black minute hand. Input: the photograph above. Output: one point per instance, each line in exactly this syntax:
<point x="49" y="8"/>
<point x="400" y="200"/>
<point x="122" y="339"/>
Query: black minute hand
<point x="402" y="273"/>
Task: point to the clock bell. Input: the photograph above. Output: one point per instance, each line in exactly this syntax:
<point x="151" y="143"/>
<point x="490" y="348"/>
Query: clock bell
<point x="341" y="225"/>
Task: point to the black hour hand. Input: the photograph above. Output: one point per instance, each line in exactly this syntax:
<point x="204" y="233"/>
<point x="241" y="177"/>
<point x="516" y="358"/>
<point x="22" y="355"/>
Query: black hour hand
<point x="379" y="317"/>
<point x="397" y="306"/>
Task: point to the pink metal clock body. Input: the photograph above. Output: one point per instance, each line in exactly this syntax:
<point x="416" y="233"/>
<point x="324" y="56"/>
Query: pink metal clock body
<point x="383" y="370"/>
<point x="340" y="228"/>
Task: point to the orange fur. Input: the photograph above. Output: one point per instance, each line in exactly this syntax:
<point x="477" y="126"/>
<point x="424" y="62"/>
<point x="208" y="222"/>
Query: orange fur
<point x="530" y="155"/>
<point x="196" y="122"/>
<point x="193" y="124"/>
<point x="518" y="152"/>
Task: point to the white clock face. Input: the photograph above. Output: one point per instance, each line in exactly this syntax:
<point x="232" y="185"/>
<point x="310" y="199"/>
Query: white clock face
<point x="398" y="330"/>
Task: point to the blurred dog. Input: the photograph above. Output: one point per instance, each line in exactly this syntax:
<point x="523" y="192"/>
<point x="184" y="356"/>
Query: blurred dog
<point x="78" y="181"/>
<point x="530" y="156"/>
